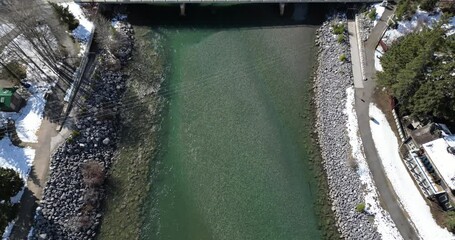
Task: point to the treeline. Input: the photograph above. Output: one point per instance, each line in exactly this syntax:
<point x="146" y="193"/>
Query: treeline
<point x="419" y="70"/>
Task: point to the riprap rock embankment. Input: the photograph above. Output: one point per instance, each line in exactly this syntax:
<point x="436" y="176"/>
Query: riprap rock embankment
<point x="70" y="208"/>
<point x="333" y="77"/>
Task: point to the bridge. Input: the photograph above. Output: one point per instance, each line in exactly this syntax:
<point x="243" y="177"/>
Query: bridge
<point x="182" y="3"/>
<point x="224" y="1"/>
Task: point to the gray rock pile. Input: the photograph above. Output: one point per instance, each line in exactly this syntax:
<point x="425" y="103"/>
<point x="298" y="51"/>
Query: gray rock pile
<point x="70" y="208"/>
<point x="365" y="25"/>
<point x="332" y="79"/>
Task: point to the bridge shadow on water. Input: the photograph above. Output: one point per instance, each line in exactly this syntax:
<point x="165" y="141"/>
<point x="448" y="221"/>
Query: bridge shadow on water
<point x="229" y="15"/>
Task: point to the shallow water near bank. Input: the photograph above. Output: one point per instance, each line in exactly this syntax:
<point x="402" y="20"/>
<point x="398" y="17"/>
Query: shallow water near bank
<point x="236" y="147"/>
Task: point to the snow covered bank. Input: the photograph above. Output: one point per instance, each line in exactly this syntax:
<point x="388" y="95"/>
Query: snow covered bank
<point x="408" y="194"/>
<point x="84" y="30"/>
<point x="384" y="223"/>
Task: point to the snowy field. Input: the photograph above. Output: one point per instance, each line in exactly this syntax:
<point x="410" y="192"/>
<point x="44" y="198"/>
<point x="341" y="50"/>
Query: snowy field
<point x="384" y="223"/>
<point x="408" y="194"/>
<point x="83" y="31"/>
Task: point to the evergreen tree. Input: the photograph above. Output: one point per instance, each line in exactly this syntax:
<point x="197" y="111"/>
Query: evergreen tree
<point x="419" y="71"/>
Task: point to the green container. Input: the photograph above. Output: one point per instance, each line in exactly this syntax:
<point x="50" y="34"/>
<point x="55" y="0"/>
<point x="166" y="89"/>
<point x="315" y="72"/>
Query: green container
<point x="7" y="102"/>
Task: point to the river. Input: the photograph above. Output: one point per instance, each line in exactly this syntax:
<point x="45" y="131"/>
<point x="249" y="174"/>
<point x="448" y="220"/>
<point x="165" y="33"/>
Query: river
<point x="236" y="159"/>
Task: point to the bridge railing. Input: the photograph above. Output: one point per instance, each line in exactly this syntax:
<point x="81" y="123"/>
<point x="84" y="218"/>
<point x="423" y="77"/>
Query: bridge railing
<point x="221" y="1"/>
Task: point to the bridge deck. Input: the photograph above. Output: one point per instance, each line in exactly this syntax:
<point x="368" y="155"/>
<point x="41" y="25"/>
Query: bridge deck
<point x="223" y="1"/>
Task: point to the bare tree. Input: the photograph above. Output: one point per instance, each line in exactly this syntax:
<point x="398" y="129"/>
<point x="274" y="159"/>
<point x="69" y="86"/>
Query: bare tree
<point x="33" y="24"/>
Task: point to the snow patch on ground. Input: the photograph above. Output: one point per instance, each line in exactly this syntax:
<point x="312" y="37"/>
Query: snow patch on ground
<point x="19" y="159"/>
<point x="450" y="26"/>
<point x="29" y="120"/>
<point x="8" y="230"/>
<point x="117" y="19"/>
<point x="420" y="19"/>
<point x="379" y="11"/>
<point x="382" y="220"/>
<point x="83" y="31"/>
<point x="377" y="58"/>
<point x="408" y="194"/>
<point x="5" y="28"/>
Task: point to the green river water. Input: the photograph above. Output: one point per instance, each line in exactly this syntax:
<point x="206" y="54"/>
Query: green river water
<point x="236" y="147"/>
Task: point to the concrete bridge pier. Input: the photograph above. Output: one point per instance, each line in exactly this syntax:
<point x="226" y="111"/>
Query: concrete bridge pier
<point x="282" y="9"/>
<point x="182" y="9"/>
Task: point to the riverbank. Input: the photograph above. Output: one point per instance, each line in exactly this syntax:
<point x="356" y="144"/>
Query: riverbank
<point x="129" y="179"/>
<point x="333" y="77"/>
<point x="70" y="208"/>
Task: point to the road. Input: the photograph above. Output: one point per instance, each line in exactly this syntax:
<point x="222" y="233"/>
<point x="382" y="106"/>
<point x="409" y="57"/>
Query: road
<point x="387" y="195"/>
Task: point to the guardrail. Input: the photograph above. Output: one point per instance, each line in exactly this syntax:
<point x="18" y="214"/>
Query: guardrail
<point x="78" y="77"/>
<point x="399" y="126"/>
<point x="360" y="45"/>
<point x="220" y="1"/>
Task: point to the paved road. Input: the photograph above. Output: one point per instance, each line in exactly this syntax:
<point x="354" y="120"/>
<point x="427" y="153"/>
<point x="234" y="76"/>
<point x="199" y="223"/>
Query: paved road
<point x="388" y="196"/>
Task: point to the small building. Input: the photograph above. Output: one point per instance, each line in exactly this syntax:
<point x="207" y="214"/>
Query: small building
<point x="431" y="161"/>
<point x="441" y="153"/>
<point x="10" y="100"/>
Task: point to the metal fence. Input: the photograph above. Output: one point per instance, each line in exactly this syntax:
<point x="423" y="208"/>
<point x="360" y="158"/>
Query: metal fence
<point x="78" y="76"/>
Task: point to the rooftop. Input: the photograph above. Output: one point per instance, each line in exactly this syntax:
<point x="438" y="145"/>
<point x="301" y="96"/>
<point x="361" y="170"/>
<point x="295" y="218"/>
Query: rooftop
<point x="442" y="159"/>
